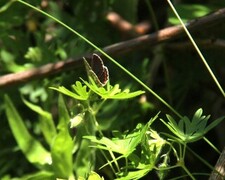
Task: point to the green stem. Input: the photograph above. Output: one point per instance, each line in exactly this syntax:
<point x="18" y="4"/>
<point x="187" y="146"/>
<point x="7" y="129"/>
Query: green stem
<point x="211" y="144"/>
<point x="188" y="172"/>
<point x="200" y="158"/>
<point x="197" y="49"/>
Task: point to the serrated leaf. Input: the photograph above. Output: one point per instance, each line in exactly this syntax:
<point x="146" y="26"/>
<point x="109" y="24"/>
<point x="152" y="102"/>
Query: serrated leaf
<point x="67" y="92"/>
<point x="113" y="92"/>
<point x="193" y="130"/>
<point x="80" y="89"/>
<point x="126" y="144"/>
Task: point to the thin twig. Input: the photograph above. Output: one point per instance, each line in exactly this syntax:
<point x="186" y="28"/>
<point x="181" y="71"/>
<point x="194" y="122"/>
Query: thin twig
<point x="203" y="43"/>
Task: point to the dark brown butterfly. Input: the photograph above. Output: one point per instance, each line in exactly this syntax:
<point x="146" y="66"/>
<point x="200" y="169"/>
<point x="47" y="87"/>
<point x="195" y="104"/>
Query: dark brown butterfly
<point x="97" y="71"/>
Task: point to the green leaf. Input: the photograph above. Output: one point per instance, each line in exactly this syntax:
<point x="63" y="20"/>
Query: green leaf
<point x="40" y="176"/>
<point x="32" y="149"/>
<point x="61" y="151"/>
<point x="188" y="12"/>
<point x="112" y="92"/>
<point x="46" y="121"/>
<point x="8" y="61"/>
<point x="64" y="117"/>
<point x="62" y="145"/>
<point x="123" y="144"/>
<point x="34" y="54"/>
<point x="79" y="94"/>
<point x="134" y="174"/>
<point x="80" y="89"/>
<point x="6" y="6"/>
<point x="94" y="176"/>
<point x="214" y="123"/>
<point x="191" y="130"/>
<point x="85" y="154"/>
<point x="187" y="126"/>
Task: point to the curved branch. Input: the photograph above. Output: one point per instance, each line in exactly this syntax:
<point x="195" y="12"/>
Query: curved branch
<point x="169" y="33"/>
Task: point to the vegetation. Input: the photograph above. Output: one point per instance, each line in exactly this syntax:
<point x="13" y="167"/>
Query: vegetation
<point x="152" y="109"/>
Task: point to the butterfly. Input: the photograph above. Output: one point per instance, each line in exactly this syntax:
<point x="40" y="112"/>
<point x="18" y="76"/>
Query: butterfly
<point x="97" y="71"/>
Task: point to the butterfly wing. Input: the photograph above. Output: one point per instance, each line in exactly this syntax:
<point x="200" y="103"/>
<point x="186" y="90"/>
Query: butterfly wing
<point x="104" y="77"/>
<point x="97" y="65"/>
<point x="97" y="71"/>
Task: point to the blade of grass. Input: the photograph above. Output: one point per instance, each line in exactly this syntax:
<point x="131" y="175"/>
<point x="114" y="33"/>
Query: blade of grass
<point x="197" y="49"/>
<point x="32" y="149"/>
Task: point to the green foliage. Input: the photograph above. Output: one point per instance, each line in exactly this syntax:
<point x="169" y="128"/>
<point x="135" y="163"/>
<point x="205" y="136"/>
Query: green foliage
<point x="54" y="163"/>
<point x="8" y="61"/>
<point x="142" y="149"/>
<point x="138" y="163"/>
<point x="85" y="121"/>
<point x="31" y="147"/>
<point x="103" y="132"/>
<point x="46" y="121"/>
<point x="34" y="54"/>
<point x="58" y="160"/>
<point x="192" y="130"/>
<point x="80" y="92"/>
<point x="189" y="11"/>
<point x="112" y="92"/>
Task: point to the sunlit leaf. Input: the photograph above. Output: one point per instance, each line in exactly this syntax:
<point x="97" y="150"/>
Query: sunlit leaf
<point x="188" y="12"/>
<point x="113" y="92"/>
<point x="32" y="149"/>
<point x="46" y="121"/>
<point x="62" y="146"/>
<point x="191" y="130"/>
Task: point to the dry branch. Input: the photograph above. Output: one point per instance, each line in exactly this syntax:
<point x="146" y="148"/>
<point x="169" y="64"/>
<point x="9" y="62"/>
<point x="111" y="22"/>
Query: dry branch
<point x="145" y="41"/>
